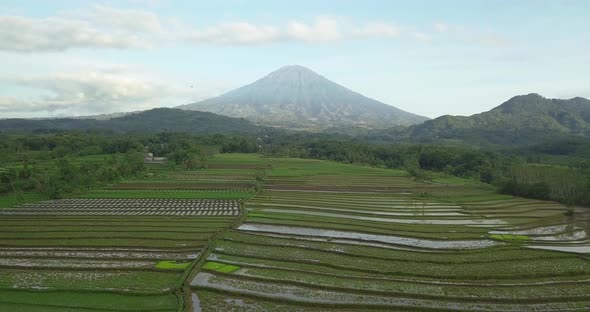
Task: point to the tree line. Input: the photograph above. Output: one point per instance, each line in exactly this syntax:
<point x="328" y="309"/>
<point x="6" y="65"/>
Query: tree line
<point x="46" y="162"/>
<point x="513" y="172"/>
<point x="63" y="163"/>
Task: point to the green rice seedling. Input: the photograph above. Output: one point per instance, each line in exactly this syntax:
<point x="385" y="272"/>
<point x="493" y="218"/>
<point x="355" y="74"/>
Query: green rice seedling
<point x="172" y="265"/>
<point x="19" y="300"/>
<point x="220" y="267"/>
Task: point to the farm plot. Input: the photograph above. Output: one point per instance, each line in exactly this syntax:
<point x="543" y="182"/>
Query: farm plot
<point x="228" y="176"/>
<point x="129" y="207"/>
<point x="355" y="238"/>
<point x="104" y="254"/>
<point x="171" y="194"/>
<point x="238" y="159"/>
<point x="360" y="183"/>
<point x="180" y="186"/>
<point x="209" y="175"/>
<point x="290" y="174"/>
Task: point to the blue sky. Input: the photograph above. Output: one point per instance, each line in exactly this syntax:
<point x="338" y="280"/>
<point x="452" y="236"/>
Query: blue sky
<point x="61" y="58"/>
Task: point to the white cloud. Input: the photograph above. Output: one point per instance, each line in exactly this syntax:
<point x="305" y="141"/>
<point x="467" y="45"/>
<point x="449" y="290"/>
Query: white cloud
<point x="13" y="104"/>
<point x="130" y="20"/>
<point x="149" y="3"/>
<point x="236" y="33"/>
<point x="86" y="93"/>
<point x="323" y="29"/>
<point x="377" y="29"/>
<point x="106" y="27"/>
<point x="471" y="35"/>
<point x="21" y="34"/>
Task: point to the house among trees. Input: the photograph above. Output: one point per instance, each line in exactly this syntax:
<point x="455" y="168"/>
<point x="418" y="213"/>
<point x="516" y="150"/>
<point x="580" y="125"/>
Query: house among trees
<point x="149" y="158"/>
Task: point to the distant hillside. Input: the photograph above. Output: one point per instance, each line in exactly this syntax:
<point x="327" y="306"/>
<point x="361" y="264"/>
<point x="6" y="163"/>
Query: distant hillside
<point x="295" y="96"/>
<point x="106" y="116"/>
<point x="524" y="119"/>
<point x="155" y="120"/>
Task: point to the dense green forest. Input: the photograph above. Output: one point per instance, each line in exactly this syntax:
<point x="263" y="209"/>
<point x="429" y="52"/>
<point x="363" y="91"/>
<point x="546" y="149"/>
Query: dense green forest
<point x="62" y="163"/>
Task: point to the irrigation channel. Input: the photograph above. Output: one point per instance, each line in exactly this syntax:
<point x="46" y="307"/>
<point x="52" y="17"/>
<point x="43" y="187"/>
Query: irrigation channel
<point x="294" y="235"/>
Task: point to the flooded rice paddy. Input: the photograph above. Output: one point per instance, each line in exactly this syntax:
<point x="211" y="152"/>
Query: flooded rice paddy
<point x="370" y="238"/>
<point x="320" y="236"/>
<point x="308" y="246"/>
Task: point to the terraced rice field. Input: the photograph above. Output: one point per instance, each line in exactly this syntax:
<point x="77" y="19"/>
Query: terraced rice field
<point x="129" y="207"/>
<point x="316" y="236"/>
<point x="104" y="254"/>
<point x="361" y="240"/>
<point x="103" y="262"/>
<point x="171" y="194"/>
<point x="199" y="184"/>
<point x="116" y="250"/>
<point x="225" y="176"/>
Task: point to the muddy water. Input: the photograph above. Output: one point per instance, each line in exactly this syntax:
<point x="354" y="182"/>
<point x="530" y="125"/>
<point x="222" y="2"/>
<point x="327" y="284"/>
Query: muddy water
<point x="266" y="189"/>
<point x="345" y="241"/>
<point x="479" y="222"/>
<point x="195" y="302"/>
<point x="383" y="206"/>
<point x="574" y="249"/>
<point x="371" y="238"/>
<point x="544" y="230"/>
<point x="416" y="212"/>
<point x="570" y="236"/>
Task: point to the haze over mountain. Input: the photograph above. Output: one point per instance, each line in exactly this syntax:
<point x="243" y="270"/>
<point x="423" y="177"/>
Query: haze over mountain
<point x="295" y="96"/>
<point x="150" y="121"/>
<point x="524" y="119"/>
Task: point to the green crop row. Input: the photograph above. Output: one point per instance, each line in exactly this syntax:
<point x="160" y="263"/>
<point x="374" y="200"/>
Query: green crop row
<point x="89" y="280"/>
<point x="18" y="300"/>
<point x="474" y="270"/>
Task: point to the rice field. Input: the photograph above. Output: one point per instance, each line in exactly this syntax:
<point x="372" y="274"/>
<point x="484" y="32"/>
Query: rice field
<point x="87" y="261"/>
<point x="312" y="236"/>
<point x="129" y="207"/>
<point x="227" y="177"/>
<point x="355" y="238"/>
<point x="126" y="248"/>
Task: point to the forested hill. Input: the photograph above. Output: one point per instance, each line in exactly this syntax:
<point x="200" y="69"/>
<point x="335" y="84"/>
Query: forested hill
<point x="154" y="120"/>
<point x="522" y="120"/>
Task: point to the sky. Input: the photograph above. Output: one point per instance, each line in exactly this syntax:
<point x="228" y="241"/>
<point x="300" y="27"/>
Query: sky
<point x="75" y="58"/>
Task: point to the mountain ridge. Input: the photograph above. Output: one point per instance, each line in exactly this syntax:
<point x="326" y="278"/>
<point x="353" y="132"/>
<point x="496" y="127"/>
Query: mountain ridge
<point x="523" y="119"/>
<point x="149" y="121"/>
